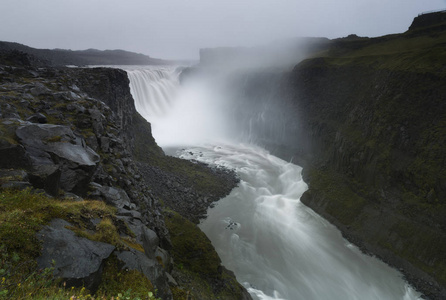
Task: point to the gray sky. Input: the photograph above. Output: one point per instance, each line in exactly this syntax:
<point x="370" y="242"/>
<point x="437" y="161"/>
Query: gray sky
<point x="178" y="28"/>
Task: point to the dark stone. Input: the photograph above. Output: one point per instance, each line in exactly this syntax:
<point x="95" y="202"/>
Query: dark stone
<point x="37" y="118"/>
<point x="18" y="175"/>
<point x="105" y="144"/>
<point x="129" y="213"/>
<point x="115" y="196"/>
<point x="165" y="258"/>
<point x="78" y="261"/>
<point x="18" y="185"/>
<point x="92" y="142"/>
<point x="46" y="177"/>
<point x="39" y="89"/>
<point x="97" y="118"/>
<point x="56" y="145"/>
<point x="13" y="156"/>
<point x="150" y="241"/>
<point x="135" y="260"/>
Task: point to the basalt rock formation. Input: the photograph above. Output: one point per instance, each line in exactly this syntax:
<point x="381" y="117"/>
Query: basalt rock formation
<point x="73" y="136"/>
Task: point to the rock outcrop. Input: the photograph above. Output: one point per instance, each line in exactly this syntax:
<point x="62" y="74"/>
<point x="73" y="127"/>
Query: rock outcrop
<point x="78" y="261"/>
<point x="74" y="134"/>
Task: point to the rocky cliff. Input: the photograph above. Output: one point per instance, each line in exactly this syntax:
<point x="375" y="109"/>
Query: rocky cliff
<point x="376" y="167"/>
<point x="76" y="202"/>
<point x="366" y="118"/>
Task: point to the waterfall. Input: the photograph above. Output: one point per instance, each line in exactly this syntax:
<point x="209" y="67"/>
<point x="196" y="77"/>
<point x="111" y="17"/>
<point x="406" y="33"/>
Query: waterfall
<point x="180" y="115"/>
<point x="153" y="89"/>
<point x="277" y="247"/>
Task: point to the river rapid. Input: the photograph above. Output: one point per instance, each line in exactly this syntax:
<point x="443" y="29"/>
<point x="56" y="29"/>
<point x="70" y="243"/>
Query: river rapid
<point x="277" y="247"/>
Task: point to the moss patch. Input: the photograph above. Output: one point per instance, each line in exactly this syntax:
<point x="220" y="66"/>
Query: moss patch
<point x="128" y="283"/>
<point x="197" y="264"/>
<point x="339" y="199"/>
<point x="404" y="52"/>
<point x="191" y="247"/>
<point x="22" y="215"/>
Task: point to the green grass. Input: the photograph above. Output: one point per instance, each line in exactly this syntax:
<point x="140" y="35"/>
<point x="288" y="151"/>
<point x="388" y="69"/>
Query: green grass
<point x="195" y="258"/>
<point x="22" y="215"/>
<point x="425" y="53"/>
<point x="191" y="247"/>
<point x="116" y="280"/>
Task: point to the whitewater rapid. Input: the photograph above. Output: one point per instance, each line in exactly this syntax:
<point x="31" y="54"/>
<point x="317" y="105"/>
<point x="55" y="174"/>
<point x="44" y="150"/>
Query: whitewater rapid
<point x="277" y="247"/>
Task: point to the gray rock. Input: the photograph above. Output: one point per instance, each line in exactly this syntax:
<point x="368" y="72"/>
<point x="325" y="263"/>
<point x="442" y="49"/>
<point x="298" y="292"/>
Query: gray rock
<point x="129" y="213"/>
<point x="39" y="89"/>
<point x="135" y="260"/>
<point x="74" y="96"/>
<point x="171" y="280"/>
<point x="18" y="185"/>
<point x="13" y="156"/>
<point x="78" y="261"/>
<point x="57" y="146"/>
<point x="165" y="258"/>
<point x="37" y="118"/>
<point x="92" y="142"/>
<point x="115" y="196"/>
<point x="72" y="197"/>
<point x="10" y="115"/>
<point x="150" y="241"/>
<point x="75" y="88"/>
<point x="59" y="140"/>
<point x="46" y="177"/>
<point x="11" y="174"/>
<point x="105" y="144"/>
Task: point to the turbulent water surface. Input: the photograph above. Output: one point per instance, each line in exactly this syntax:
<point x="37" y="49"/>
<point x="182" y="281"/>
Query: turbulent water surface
<point x="277" y="247"/>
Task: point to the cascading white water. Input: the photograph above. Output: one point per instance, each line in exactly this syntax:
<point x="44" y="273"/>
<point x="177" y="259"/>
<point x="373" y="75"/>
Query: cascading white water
<point x="158" y="85"/>
<point x="277" y="247"/>
<point x="180" y="115"/>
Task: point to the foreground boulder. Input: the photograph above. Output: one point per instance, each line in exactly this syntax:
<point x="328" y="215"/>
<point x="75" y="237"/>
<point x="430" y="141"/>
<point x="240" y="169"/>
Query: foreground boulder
<point x="78" y="261"/>
<point x="55" y="149"/>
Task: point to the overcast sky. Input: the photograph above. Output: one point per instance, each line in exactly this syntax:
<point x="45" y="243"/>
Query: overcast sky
<point x="178" y="28"/>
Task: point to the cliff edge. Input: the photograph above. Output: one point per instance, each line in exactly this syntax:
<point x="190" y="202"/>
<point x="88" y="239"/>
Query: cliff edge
<point x="374" y="118"/>
<point x="79" y="217"/>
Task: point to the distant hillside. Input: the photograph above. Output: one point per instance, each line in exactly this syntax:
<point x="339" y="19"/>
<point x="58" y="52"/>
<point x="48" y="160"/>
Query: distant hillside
<point x="59" y="57"/>
<point x="280" y="53"/>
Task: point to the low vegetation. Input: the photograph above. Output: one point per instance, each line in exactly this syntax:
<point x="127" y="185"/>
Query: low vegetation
<point x="197" y="263"/>
<point x="405" y="52"/>
<point x="22" y="215"/>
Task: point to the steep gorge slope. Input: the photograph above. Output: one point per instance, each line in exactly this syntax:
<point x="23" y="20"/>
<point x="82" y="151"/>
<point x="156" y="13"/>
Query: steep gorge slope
<point x="366" y="118"/>
<point x="374" y="114"/>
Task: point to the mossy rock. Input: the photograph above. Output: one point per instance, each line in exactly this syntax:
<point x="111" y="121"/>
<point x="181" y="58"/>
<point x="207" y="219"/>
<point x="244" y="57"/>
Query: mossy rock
<point x="116" y="280"/>
<point x="191" y="247"/>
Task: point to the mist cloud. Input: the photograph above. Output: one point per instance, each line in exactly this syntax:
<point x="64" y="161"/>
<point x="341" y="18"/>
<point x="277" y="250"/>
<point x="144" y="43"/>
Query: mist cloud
<point x="178" y="28"/>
